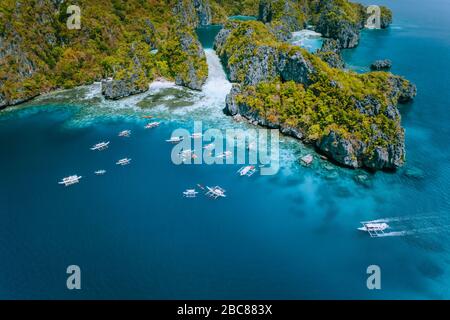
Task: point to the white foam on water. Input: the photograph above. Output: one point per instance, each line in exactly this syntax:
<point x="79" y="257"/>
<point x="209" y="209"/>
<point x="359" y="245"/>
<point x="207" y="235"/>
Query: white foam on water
<point x="307" y="39"/>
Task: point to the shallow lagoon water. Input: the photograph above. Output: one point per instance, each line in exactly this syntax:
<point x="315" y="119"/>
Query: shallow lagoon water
<point x="291" y="235"/>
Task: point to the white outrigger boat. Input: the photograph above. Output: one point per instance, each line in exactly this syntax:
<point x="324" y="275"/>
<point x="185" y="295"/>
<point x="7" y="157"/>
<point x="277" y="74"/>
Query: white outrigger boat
<point x="152" y="125"/>
<point x="375" y="229"/>
<point x="190" y="193"/>
<point x="225" y="155"/>
<point x="175" y="139"/>
<point x="100" y="172"/>
<point x="215" y="192"/>
<point x="123" y="162"/>
<point x="196" y="135"/>
<point x="68" y="181"/>
<point x="125" y="133"/>
<point x="100" y="146"/>
<point x="247" y="171"/>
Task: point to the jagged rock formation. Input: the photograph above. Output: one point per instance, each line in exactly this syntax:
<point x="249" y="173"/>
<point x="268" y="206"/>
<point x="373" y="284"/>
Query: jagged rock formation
<point x="130" y="74"/>
<point x="340" y="24"/>
<point x="379" y="150"/>
<point x="19" y="70"/>
<point x="381" y="65"/>
<point x="48" y="55"/>
<point x="150" y="34"/>
<point x="402" y="90"/>
<point x="331" y="54"/>
<point x="386" y="17"/>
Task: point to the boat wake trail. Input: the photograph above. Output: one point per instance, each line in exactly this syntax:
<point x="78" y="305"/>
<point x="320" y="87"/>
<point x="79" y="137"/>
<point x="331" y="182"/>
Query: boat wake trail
<point x="407" y="225"/>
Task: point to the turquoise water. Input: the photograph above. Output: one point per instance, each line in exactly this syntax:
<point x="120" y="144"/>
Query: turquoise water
<point x="292" y="235"/>
<point x="242" y="18"/>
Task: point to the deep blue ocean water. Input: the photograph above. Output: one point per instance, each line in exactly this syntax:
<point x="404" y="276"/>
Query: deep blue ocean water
<point x="292" y="235"/>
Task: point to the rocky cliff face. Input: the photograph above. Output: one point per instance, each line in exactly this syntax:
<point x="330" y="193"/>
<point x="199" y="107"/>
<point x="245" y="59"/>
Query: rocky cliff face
<point x="130" y="74"/>
<point x="282" y="13"/>
<point x="203" y="10"/>
<point x="402" y="90"/>
<point x="118" y="89"/>
<point x="331" y="53"/>
<point x="194" y="70"/>
<point x="381" y="65"/>
<point x="38" y="53"/>
<point x="386" y="17"/>
<point x="18" y="66"/>
<point x="333" y="24"/>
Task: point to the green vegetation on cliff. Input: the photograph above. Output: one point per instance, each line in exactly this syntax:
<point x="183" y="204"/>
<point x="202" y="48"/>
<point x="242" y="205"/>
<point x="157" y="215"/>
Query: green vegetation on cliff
<point x="117" y="38"/>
